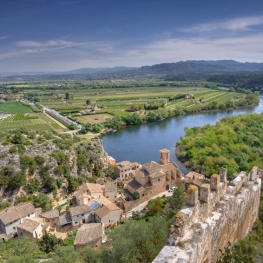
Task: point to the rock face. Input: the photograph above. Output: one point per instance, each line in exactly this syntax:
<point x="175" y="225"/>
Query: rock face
<point x="215" y="215"/>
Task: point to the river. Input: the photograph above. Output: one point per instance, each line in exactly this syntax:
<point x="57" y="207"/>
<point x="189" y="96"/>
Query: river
<point x="141" y="143"/>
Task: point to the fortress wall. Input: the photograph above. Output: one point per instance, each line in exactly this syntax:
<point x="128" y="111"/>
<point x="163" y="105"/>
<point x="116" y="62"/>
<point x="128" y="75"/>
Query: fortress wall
<point x="200" y="230"/>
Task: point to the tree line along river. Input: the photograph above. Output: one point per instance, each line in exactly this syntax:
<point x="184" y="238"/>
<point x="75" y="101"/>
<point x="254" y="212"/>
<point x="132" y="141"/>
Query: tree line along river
<point x="141" y="143"/>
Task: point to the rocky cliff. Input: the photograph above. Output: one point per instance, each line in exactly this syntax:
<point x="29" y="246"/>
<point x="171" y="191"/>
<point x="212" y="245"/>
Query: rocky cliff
<point x="215" y="214"/>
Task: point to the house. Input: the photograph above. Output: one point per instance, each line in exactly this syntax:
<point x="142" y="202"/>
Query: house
<point x="107" y="214"/>
<point x="89" y="235"/>
<point x="110" y="191"/>
<point x="13" y="216"/>
<point x="80" y="215"/>
<point x="65" y="220"/>
<point x="86" y="192"/>
<point x="123" y="170"/>
<point x="51" y="217"/>
<point x="32" y="227"/>
<point x="153" y="178"/>
<point x="192" y="178"/>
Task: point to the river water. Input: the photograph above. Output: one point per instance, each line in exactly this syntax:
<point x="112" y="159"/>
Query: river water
<point x="141" y="143"/>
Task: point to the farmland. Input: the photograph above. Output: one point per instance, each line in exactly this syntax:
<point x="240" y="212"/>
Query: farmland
<point x="150" y="99"/>
<point x="13" y="107"/>
<point x="32" y="121"/>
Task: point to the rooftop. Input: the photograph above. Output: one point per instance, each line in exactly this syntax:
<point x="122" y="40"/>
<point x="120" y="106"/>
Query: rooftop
<point x="13" y="213"/>
<point x="29" y="225"/>
<point x="94" y="188"/>
<point x="102" y="211"/>
<point x="80" y="209"/>
<point x="88" y="233"/>
<point x="50" y="214"/>
<point x="110" y="187"/>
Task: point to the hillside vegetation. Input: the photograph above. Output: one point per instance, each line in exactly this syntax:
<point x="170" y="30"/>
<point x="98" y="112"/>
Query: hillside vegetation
<point x="234" y="143"/>
<point x="33" y="162"/>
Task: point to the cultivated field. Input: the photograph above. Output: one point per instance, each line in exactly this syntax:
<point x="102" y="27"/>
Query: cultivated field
<point x="94" y="118"/>
<point x="31" y="121"/>
<point x="13" y="107"/>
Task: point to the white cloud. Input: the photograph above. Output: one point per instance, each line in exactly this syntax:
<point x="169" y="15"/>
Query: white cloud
<point x="242" y="23"/>
<point x="61" y="55"/>
<point x="3" y="37"/>
<point x="49" y="43"/>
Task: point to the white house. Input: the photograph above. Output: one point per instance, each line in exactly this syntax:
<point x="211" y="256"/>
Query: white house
<point x="13" y="216"/>
<point x="80" y="215"/>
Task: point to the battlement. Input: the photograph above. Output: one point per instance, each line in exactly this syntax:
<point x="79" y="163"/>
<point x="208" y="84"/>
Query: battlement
<point x="215" y="214"/>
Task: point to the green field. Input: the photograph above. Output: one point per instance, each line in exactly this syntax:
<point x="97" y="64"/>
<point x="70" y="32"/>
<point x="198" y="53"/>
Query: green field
<point x="32" y="121"/>
<point x="13" y="107"/>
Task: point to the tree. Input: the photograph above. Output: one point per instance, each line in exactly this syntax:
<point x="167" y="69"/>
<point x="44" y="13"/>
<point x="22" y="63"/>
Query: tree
<point x="65" y="254"/>
<point x="88" y="102"/>
<point x="177" y="200"/>
<point x="136" y="195"/>
<point x="16" y="181"/>
<point x="67" y="96"/>
<point x="42" y="201"/>
<point x="232" y="254"/>
<point x="155" y="206"/>
<point x="32" y="186"/>
<point x="17" y="138"/>
<point x="48" y="242"/>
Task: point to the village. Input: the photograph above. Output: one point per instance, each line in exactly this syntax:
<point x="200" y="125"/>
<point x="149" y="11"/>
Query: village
<point x="97" y="206"/>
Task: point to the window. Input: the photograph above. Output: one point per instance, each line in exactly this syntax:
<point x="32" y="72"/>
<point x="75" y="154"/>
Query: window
<point x="76" y="222"/>
<point x="159" y="179"/>
<point x="82" y="214"/>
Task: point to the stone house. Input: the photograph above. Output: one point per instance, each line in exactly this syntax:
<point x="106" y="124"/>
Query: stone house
<point x="153" y="178"/>
<point x="89" y="235"/>
<point x="123" y="170"/>
<point x="107" y="214"/>
<point x="80" y="215"/>
<point x="192" y="178"/>
<point x="32" y="227"/>
<point x="110" y="191"/>
<point x="51" y="217"/>
<point x="87" y="192"/>
<point x="13" y="216"/>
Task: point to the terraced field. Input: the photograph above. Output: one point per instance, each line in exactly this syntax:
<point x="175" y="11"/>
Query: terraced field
<point x="31" y="121"/>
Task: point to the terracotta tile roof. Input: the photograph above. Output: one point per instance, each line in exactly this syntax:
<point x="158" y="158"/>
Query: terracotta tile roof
<point x="194" y="175"/>
<point x="29" y="225"/>
<point x="157" y="174"/>
<point x="134" y="185"/>
<point x="94" y="188"/>
<point x="151" y="166"/>
<point x="25" y="209"/>
<point x="110" y="187"/>
<point x="168" y="167"/>
<point x="65" y="219"/>
<point x="77" y="210"/>
<point x="14" y="213"/>
<point x="112" y="206"/>
<point x="50" y="214"/>
<point x="88" y="233"/>
<point x="102" y="211"/>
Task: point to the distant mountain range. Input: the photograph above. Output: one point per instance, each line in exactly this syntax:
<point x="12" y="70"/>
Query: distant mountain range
<point x="177" y="68"/>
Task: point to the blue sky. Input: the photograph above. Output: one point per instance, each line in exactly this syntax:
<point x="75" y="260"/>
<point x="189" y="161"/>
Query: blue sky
<point x="57" y="35"/>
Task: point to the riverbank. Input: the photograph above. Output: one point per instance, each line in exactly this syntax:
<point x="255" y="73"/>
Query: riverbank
<point x="141" y="143"/>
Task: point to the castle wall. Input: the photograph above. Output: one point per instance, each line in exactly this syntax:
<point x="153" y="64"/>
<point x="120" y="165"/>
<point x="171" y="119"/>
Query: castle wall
<point x="224" y="213"/>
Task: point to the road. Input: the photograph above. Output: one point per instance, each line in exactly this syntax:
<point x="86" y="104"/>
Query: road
<point x="141" y="206"/>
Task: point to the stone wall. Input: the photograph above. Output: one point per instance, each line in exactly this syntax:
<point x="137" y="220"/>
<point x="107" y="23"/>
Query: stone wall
<point x="222" y="212"/>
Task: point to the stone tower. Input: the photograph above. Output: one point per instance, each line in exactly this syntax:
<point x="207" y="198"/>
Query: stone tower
<point x="164" y="156"/>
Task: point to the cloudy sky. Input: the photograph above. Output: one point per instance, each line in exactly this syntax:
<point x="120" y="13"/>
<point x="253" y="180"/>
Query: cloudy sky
<point x="57" y="35"/>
